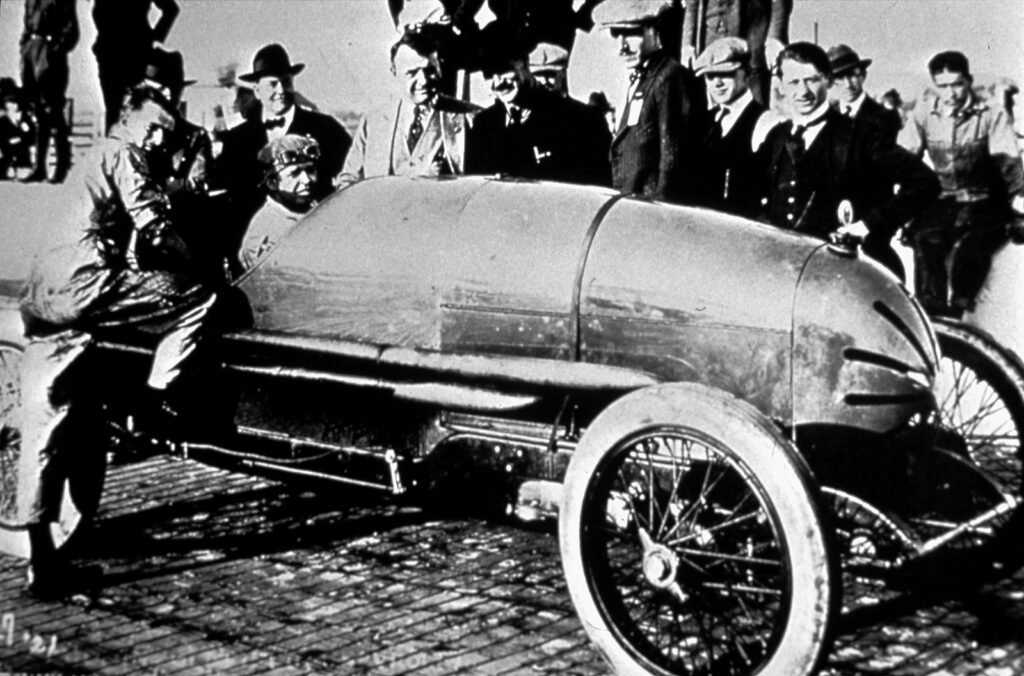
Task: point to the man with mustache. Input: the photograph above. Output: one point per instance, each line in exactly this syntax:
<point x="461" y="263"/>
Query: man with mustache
<point x="848" y="74"/>
<point x="422" y="132"/>
<point x="530" y="131"/>
<point x="817" y="160"/>
<point x="653" y="145"/>
<point x="272" y="79"/>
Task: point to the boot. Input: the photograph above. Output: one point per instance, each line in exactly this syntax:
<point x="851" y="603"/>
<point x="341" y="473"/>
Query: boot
<point x="50" y="575"/>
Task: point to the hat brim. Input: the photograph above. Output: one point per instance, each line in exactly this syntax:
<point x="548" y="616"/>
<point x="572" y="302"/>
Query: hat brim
<point x="255" y="76"/>
<point x="719" y="68"/>
<point x="863" y="63"/>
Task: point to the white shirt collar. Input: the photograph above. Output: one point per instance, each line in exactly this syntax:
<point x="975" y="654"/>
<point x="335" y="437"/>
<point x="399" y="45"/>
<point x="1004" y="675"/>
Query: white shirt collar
<point x="808" y="121"/>
<point x="735" y="109"/>
<point x="854" y="106"/>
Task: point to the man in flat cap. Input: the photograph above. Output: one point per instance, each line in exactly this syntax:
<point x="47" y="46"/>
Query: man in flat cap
<point x="764" y="24"/>
<point x="420" y="132"/>
<point x="272" y="79"/>
<point x="289" y="174"/>
<point x="548" y="63"/>
<point x="815" y="161"/>
<point x="848" y="74"/>
<point x="735" y="129"/>
<point x="531" y="132"/>
<point x="651" y="148"/>
<point x="974" y="150"/>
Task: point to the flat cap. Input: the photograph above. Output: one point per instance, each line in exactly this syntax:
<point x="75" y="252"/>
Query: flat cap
<point x="630" y="13"/>
<point x="724" y="55"/>
<point x="548" y="56"/>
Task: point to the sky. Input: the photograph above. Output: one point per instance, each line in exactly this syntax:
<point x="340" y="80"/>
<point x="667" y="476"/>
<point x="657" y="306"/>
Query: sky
<point x="344" y="43"/>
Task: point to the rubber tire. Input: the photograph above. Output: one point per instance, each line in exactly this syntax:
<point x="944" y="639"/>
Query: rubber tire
<point x="83" y="487"/>
<point x="999" y="367"/>
<point x="785" y="480"/>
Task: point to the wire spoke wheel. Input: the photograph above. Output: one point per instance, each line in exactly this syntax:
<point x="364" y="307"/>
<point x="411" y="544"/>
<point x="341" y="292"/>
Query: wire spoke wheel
<point x="690" y="549"/>
<point x="981" y="402"/>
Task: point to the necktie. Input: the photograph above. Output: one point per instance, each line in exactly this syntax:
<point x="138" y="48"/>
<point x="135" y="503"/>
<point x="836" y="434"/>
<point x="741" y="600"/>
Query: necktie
<point x="635" y="75"/>
<point x="273" y="123"/>
<point x="416" y="128"/>
<point x="716" y="132"/>
<point x="848" y="111"/>
<point x="795" y="143"/>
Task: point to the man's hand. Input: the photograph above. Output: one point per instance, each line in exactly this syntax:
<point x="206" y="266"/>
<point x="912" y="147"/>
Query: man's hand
<point x="687" y="56"/>
<point x="853" y="230"/>
<point x="772" y="47"/>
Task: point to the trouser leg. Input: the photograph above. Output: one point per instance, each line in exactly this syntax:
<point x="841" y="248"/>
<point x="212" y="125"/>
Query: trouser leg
<point x="178" y="345"/>
<point x="46" y="400"/>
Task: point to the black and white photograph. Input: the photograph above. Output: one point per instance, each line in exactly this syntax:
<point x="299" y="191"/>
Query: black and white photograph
<point x="511" y="337"/>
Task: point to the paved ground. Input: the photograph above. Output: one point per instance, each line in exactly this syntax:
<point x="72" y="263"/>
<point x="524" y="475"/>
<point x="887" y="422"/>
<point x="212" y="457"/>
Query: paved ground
<point x="212" y="572"/>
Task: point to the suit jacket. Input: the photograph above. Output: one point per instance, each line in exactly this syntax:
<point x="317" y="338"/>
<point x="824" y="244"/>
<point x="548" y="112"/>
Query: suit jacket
<point x="728" y="179"/>
<point x="649" y="157"/>
<point x="560" y="140"/>
<point x="379" y="147"/>
<point x="842" y="164"/>
<point x="874" y="115"/>
<point x="753" y="20"/>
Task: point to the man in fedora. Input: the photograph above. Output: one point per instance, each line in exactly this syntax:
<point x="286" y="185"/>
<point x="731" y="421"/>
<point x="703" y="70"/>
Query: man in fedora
<point x="735" y="129"/>
<point x="656" y="125"/>
<point x="848" y="74"/>
<point x="421" y="131"/>
<point x="271" y="78"/>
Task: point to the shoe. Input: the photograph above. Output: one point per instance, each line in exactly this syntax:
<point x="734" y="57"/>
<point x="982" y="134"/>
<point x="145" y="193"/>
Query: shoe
<point x="34" y="177"/>
<point x="61" y="580"/>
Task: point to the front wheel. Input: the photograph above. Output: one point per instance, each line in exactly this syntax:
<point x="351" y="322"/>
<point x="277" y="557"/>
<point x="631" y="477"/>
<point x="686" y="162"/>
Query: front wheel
<point x="692" y="540"/>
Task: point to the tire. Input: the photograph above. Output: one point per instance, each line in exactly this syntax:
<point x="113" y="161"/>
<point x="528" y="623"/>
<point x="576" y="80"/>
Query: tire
<point x="85" y="471"/>
<point x="738" y="593"/>
<point x="981" y="401"/>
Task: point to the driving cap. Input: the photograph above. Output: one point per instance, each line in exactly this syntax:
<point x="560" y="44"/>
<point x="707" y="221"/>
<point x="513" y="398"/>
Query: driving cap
<point x="167" y="68"/>
<point x="288" y="150"/>
<point x="725" y="55"/>
<point x="612" y="14"/>
<point x="271" y="60"/>
<point x="548" y="57"/>
<point x="843" y="58"/>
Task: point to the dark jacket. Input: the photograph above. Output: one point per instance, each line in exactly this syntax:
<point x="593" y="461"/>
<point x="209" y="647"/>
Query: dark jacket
<point x="842" y="165"/>
<point x="874" y="115"/>
<point x="753" y="20"/>
<point x="53" y="22"/>
<point x="560" y="140"/>
<point x="728" y="179"/>
<point x="649" y="157"/>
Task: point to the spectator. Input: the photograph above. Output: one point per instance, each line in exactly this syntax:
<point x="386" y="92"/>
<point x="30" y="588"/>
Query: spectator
<point x="974" y="150"/>
<point x="124" y="38"/>
<point x="548" y="64"/>
<point x="815" y="161"/>
<point x="764" y="24"/>
<point x="848" y="74"/>
<point x="289" y="174"/>
<point x="656" y="125"/>
<point x="532" y="132"/>
<point x="272" y="76"/>
<point x="51" y="32"/>
<point x="17" y="133"/>
<point x="728" y="180"/>
<point x="120" y="265"/>
<point x="421" y="132"/>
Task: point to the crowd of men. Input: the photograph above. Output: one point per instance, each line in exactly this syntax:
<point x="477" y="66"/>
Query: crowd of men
<point x="166" y="223"/>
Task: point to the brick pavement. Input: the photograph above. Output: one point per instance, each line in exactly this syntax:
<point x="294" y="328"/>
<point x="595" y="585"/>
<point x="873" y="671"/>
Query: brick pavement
<point x="213" y="572"/>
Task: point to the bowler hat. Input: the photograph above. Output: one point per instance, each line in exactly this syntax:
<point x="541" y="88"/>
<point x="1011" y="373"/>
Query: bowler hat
<point x="725" y="55"/>
<point x="167" y="68"/>
<point x="630" y="13"/>
<point x="548" y="57"/>
<point x="271" y="60"/>
<point x="843" y="58"/>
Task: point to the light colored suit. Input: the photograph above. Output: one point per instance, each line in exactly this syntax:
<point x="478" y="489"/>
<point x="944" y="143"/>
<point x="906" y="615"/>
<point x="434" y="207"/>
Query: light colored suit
<point x="379" y="147"/>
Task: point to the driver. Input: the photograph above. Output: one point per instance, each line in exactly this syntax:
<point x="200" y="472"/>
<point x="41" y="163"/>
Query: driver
<point x="117" y="264"/>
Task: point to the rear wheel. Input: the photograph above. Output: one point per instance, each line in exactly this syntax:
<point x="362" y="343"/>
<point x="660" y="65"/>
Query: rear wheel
<point x="691" y="539"/>
<point x="84" y="472"/>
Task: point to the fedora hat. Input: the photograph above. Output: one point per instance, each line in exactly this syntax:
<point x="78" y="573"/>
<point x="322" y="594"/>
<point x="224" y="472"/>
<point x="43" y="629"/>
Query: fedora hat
<point x="167" y="69"/>
<point x="842" y="58"/>
<point x="271" y="60"/>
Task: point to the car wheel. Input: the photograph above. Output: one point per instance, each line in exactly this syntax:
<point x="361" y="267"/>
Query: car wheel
<point x="692" y="540"/>
<point x="83" y="485"/>
<point x="981" y="401"/>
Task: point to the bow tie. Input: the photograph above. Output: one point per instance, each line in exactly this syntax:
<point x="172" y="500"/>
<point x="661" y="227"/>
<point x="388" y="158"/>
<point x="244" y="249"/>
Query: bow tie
<point x="273" y="123"/>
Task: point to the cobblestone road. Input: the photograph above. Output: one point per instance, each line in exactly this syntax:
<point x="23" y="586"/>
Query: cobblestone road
<point x="212" y="572"/>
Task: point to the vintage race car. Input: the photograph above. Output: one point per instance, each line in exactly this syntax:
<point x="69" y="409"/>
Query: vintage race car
<point x="717" y="410"/>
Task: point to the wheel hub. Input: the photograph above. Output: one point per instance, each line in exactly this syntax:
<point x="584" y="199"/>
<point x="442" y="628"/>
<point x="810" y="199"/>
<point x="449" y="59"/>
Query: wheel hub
<point x="660" y="566"/>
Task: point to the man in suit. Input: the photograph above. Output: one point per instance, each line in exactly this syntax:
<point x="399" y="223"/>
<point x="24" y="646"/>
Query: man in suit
<point x="764" y="24"/>
<point x="530" y="131"/>
<point x="656" y="125"/>
<point x="272" y="79"/>
<point x="816" y="160"/>
<point x="848" y="74"/>
<point x="735" y="129"/>
<point x="421" y="132"/>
